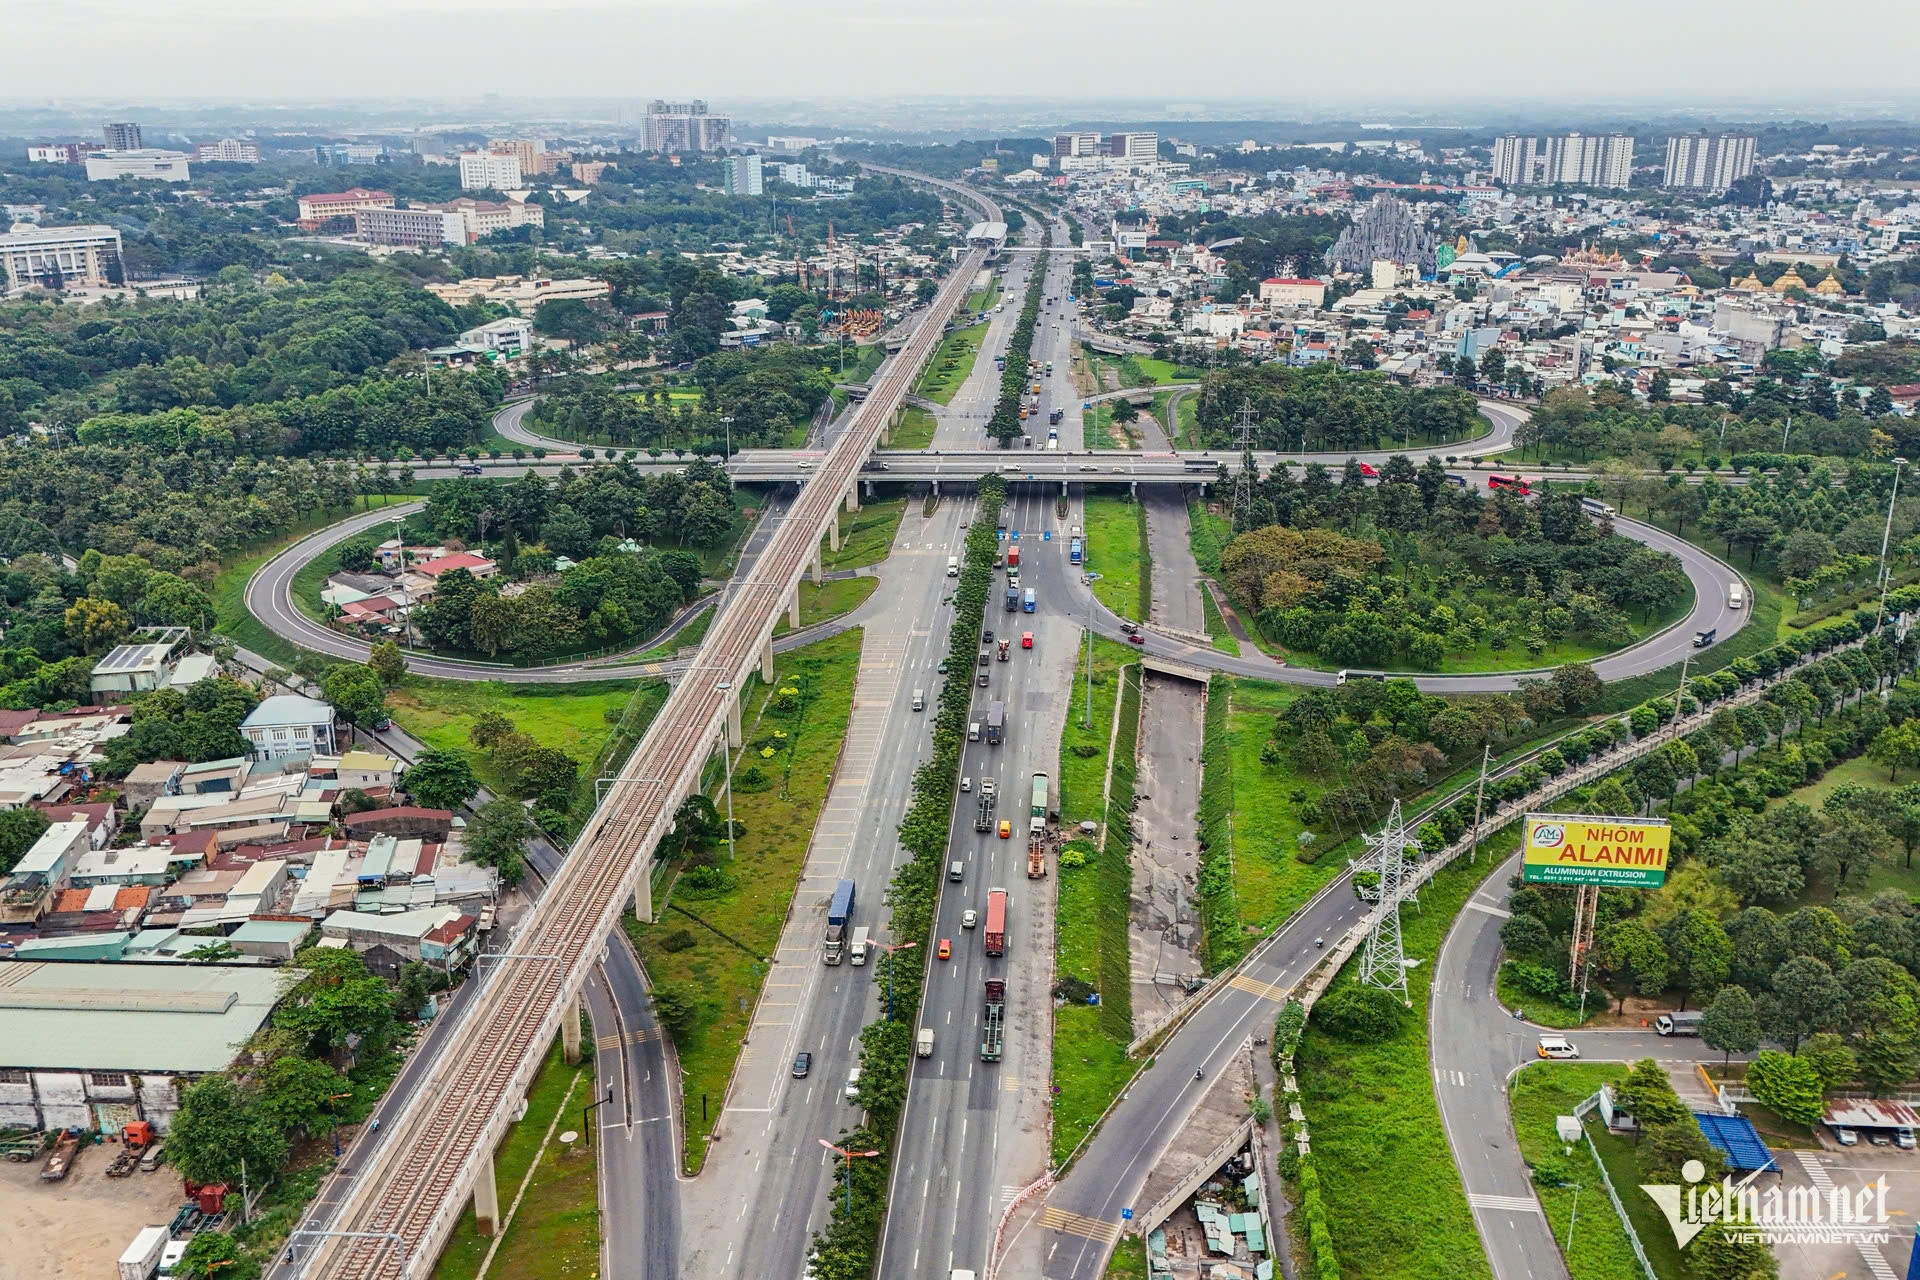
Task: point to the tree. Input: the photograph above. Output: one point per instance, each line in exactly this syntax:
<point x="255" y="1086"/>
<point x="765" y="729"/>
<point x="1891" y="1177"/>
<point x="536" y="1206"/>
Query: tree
<point x="93" y="625"/>
<point x="676" y="1007"/>
<point x="497" y="837"/>
<point x="297" y="1093"/>
<point x="1667" y="1148"/>
<point x="440" y="779"/>
<point x="336" y="1001"/>
<point x="1786" y="1085"/>
<point x="1659" y="387"/>
<point x="387" y="662"/>
<point x="355" y="694"/>
<point x="1125" y="410"/>
<point x="216" y="1128"/>
<point x="1830" y="1059"/>
<point x="1526" y="935"/>
<point x="1716" y="1254"/>
<point x="1360" y="1014"/>
<point x="19" y="828"/>
<point x="1634" y="951"/>
<point x="210" y="1254"/>
<point x="1702" y="957"/>
<point x="1897" y="744"/>
<point x="1806" y="998"/>
<point x="1731" y="1023"/>
<point x="1648" y="1096"/>
<point x="488" y="728"/>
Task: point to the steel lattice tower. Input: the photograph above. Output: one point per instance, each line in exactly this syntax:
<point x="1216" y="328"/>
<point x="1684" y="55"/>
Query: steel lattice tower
<point x="1243" y="439"/>
<point x="1384" y="963"/>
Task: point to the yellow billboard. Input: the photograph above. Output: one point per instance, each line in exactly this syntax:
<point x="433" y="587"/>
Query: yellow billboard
<point x="1615" y="853"/>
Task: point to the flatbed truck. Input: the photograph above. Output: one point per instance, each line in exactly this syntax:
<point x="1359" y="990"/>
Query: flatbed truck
<point x="996" y="1009"/>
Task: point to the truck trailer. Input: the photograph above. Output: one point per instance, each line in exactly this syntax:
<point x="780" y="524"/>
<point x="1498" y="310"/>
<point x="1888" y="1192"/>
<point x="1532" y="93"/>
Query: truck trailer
<point x="1037" y="810"/>
<point x="839" y="911"/>
<point x="996" y="1009"/>
<point x="996" y="927"/>
<point x="996" y="718"/>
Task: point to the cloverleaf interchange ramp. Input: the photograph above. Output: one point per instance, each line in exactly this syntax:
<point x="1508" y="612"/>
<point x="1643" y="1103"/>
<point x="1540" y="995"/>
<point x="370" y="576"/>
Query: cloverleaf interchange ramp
<point x="402" y="1208"/>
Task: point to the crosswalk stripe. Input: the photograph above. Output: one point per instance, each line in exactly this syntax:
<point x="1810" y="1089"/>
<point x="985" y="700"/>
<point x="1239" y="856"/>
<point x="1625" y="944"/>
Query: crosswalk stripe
<point x="1508" y="1204"/>
<point x="606" y="1042"/>
<point x="1816" y="1172"/>
<point x="1079" y="1225"/>
<point x="1010" y="1084"/>
<point x="1265" y="990"/>
<point x="1876" y="1261"/>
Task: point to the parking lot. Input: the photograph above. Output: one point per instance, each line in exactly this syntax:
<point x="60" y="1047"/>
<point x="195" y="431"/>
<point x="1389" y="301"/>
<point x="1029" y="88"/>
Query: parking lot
<point x="1851" y="1169"/>
<point x="78" y="1227"/>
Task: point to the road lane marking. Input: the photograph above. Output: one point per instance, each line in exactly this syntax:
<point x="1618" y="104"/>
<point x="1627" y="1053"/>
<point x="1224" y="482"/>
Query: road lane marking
<point x="1508" y="1204"/>
<point x="1077" y="1224"/>
<point x="1265" y="990"/>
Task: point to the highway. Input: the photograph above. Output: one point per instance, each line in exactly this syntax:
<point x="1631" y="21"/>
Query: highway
<point x="403" y="1207"/>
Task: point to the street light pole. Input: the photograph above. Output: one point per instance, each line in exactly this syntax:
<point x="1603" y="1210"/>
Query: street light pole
<point x="902" y="946"/>
<point x="1886" y="535"/>
<point x="851" y="1156"/>
<point x="1088" y="723"/>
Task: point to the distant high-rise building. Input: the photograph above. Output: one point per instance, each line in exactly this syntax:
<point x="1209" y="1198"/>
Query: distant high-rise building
<point x="59" y="256"/>
<point x="1076" y="144"/>
<point x="228" y="150"/>
<point x="744" y="175"/>
<point x="683" y="126"/>
<point x="62" y="152"/>
<point x="122" y="137"/>
<point x="489" y="171"/>
<point x="525" y="150"/>
<point x="342" y="154"/>
<point x="1571" y="159"/>
<point x="1133" y="146"/>
<point x="1708" y="162"/>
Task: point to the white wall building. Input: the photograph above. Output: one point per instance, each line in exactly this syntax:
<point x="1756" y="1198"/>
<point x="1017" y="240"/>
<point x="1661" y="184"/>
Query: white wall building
<point x="228" y="151"/>
<point x="743" y="175"/>
<point x="73" y="255"/>
<point x="149" y="163"/>
<point x="489" y="171"/>
<point x="1708" y="162"/>
<point x="288" y="726"/>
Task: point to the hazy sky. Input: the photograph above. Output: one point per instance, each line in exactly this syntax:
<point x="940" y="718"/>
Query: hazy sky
<point x="1362" y="52"/>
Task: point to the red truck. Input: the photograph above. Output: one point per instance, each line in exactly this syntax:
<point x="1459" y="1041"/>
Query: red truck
<point x="996" y="930"/>
<point x="1013" y="555"/>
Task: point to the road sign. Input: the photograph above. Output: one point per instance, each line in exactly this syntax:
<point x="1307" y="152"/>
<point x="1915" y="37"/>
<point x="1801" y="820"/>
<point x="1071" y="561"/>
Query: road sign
<point x="1618" y="853"/>
<point x="1126" y="1215"/>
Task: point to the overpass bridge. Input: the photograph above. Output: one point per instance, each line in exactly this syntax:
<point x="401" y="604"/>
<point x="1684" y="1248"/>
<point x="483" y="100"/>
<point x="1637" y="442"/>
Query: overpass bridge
<point x="396" y="1214"/>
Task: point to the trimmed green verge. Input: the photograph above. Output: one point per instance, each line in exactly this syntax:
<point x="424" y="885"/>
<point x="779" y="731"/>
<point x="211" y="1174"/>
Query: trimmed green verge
<point x="1083" y="749"/>
<point x="866" y="537"/>
<point x="831" y="599"/>
<point x="1116" y="545"/>
<point x="1541" y="1093"/>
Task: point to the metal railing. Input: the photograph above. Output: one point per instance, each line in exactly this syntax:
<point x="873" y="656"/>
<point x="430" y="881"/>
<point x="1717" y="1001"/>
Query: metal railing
<point x="1580" y="1113"/>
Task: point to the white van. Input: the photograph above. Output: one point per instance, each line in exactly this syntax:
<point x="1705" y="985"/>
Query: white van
<point x="924" y="1045"/>
<point x="1736" y="596"/>
<point x="919" y="700"/>
<point x="1557" y="1047"/>
<point x="973" y="731"/>
<point x="953" y="566"/>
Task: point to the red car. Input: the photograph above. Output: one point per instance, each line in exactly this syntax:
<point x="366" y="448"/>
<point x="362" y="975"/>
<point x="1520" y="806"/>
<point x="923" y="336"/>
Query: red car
<point x="1026" y="639"/>
<point x="1134" y="637"/>
<point x="946" y="949"/>
<point x="1368" y="470"/>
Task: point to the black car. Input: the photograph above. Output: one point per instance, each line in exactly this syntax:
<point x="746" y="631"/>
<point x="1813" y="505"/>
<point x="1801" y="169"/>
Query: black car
<point x="471" y="470"/>
<point x="801" y="1065"/>
<point x="986" y="637"/>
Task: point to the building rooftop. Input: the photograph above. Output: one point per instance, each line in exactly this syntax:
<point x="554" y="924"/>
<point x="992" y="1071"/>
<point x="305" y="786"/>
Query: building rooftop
<point x="132" y="1017"/>
<point x="288" y="709"/>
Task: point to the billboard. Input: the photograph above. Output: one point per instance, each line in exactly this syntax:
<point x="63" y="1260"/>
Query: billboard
<point x="1615" y="853"/>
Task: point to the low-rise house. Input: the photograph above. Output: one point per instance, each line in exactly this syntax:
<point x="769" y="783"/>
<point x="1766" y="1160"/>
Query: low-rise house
<point x="103" y="819"/>
<point x="288" y="726"/>
<point x="43" y="870"/>
<point x="270" y="939"/>
<point x="146" y="783"/>
<point x="134" y="668"/>
<point x="95" y="1046"/>
<point x="443" y="937"/>
<point x="400" y="820"/>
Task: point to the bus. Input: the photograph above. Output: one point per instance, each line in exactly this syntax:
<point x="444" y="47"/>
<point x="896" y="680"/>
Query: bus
<point x="1200" y="464"/>
<point x="1515" y="483"/>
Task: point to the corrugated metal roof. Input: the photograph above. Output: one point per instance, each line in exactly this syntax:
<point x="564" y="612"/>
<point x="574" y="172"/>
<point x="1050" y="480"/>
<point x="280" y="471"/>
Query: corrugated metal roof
<point x="1871" y="1113"/>
<point x="132" y="1017"/>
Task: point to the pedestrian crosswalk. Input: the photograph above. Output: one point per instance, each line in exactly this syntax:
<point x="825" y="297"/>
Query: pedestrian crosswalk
<point x="1876" y="1262"/>
<point x="615" y="1040"/>
<point x="1009" y="1083"/>
<point x="1815" y="1170"/>
<point x="1265" y="990"/>
<point x="1076" y="1224"/>
<point x="1503" y="1204"/>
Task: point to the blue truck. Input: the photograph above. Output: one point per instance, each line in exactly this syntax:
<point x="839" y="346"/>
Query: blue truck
<point x="1026" y="601"/>
<point x="1073" y="551"/>
<point x="1013" y="599"/>
<point x="839" y="911"/>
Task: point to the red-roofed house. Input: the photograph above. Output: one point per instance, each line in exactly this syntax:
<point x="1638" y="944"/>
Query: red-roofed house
<point x="478" y="566"/>
<point x="1280" y="291"/>
<point x="317" y="210"/>
<point x="1905" y="396"/>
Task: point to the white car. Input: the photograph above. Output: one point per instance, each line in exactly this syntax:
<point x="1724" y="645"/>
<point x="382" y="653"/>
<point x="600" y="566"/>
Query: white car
<point x="1845" y="1137"/>
<point x="1557" y="1047"/>
<point x="966" y="785"/>
<point x="969" y="918"/>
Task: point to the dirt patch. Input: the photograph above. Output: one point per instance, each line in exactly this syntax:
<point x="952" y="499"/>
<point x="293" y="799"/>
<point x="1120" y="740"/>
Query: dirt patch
<point x="81" y="1226"/>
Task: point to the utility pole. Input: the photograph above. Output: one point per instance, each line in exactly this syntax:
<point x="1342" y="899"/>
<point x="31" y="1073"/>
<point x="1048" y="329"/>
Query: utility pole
<point x="1886" y="535"/>
<point x="1680" y="694"/>
<point x="1479" y="794"/>
<point x="1243" y="440"/>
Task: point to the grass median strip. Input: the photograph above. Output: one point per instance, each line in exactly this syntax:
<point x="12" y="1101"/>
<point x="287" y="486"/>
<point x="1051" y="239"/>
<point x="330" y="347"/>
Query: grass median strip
<point x="706" y="979"/>
<point x="915" y="430"/>
<point x="1116" y="530"/>
<point x="1083" y="750"/>
<point x="1542" y="1092"/>
<point x="866" y="536"/>
<point x="830" y="599"/>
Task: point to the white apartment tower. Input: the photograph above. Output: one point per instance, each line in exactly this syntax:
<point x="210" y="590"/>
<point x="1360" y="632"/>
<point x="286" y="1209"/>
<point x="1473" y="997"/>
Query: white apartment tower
<point x="683" y="126"/>
<point x="489" y="171"/>
<point x="1708" y="162"/>
<point x="1570" y="159"/>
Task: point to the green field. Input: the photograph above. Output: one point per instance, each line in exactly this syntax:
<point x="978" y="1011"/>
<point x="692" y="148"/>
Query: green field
<point x="576" y="718"/>
<point x="915" y="430"/>
<point x="1394" y="1201"/>
<point x="1116" y="528"/>
<point x="1083" y="778"/>
<point x="866" y="536"/>
<point x="777" y="800"/>
<point x="555" y="1232"/>
<point x="951" y="364"/>
<point x="831" y="599"/>
<point x="1541" y="1092"/>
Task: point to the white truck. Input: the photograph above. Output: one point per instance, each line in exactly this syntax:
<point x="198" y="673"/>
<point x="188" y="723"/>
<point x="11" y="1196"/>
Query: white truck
<point x="142" y="1257"/>
<point x="861" y="935"/>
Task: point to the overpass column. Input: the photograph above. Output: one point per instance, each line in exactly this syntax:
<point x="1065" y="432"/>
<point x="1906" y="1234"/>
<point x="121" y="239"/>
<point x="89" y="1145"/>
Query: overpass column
<point x="1063" y="488"/>
<point x="734" y="736"/>
<point x="766" y="659"/>
<point x="793" y="609"/>
<point x="1133" y="488"/>
<point x="486" y="1198"/>
<point x="814" y="568"/>
<point x="833" y="534"/>
<point x="852" y="503"/>
<point x="570" y="1032"/>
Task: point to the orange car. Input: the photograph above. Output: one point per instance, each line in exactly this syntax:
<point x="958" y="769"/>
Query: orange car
<point x="1006" y="831"/>
<point x="946" y="949"/>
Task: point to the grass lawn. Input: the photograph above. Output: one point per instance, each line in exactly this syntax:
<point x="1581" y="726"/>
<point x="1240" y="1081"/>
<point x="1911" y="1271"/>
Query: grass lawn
<point x="1115" y="530"/>
<point x="691" y="634"/>
<point x="828" y="600"/>
<point x="1187" y="415"/>
<point x="1097" y="424"/>
<point x="555" y="1232"/>
<point x="1394" y="1201"/>
<point x="951" y="364"/>
<point x="1208" y="534"/>
<point x="230" y="584"/>
<point x="1861" y="772"/>
<point x="1549" y="1013"/>
<point x="866" y="536"/>
<point x="1083" y="778"/>
<point x="1129" y="1260"/>
<point x="1656" y="1237"/>
<point x="915" y="430"/>
<point x="1089" y="1070"/>
<point x="1537" y="1095"/>
<point x="1223" y="640"/>
<point x="776" y="800"/>
<point x="577" y="718"/>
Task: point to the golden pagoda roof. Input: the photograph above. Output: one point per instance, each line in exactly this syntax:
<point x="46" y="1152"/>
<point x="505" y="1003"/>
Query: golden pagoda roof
<point x="1788" y="280"/>
<point x="1748" y="282"/>
<point x="1831" y="285"/>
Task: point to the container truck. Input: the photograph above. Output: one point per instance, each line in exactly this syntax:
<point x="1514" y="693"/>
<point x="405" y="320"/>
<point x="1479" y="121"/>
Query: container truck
<point x="997" y="714"/>
<point x="983" y="812"/>
<point x="860" y="936"/>
<point x="995" y="1011"/>
<point x="1013" y="599"/>
<point x="1037" y="811"/>
<point x="142" y="1257"/>
<point x="839" y="911"/>
<point x="1036" y="857"/>
<point x="996" y="927"/>
<point x="1013" y="556"/>
<point x="1006" y="650"/>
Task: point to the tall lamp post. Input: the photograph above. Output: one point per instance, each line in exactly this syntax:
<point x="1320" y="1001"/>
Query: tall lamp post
<point x="890" y="949"/>
<point x="1886" y="535"/>
<point x="851" y="1156"/>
